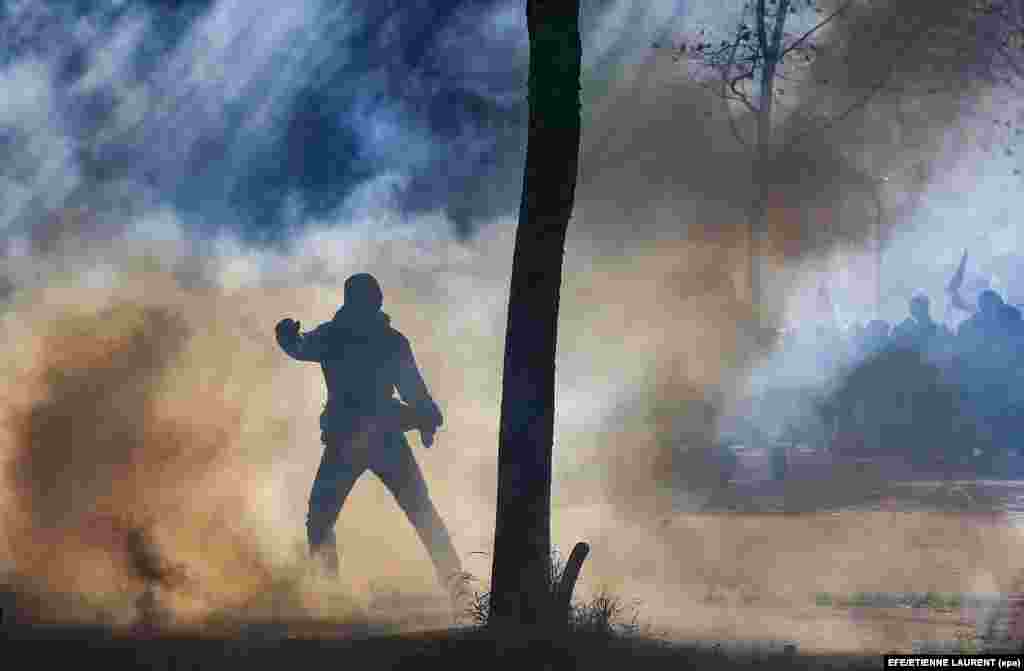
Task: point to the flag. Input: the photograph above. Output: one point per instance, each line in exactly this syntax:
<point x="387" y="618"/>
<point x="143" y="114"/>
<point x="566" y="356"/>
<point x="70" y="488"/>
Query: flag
<point x="955" y="284"/>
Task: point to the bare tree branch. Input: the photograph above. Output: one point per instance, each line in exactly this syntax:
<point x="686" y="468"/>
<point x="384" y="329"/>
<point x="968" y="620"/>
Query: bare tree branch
<point x="821" y="24"/>
<point x="733" y="83"/>
<point x="859" y="104"/>
<point x="780" y="21"/>
<point x="732" y="53"/>
<point x="734" y="127"/>
<point x="740" y="95"/>
<point x="716" y="89"/>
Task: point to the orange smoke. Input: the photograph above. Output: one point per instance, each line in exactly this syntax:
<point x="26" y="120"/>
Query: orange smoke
<point x="124" y="462"/>
<point x="99" y="456"/>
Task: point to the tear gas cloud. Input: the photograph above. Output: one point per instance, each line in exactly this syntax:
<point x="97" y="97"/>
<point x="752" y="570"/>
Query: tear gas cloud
<point x="152" y="427"/>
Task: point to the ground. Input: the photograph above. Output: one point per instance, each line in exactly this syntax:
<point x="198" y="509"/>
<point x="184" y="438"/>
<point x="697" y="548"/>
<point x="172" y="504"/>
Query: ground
<point x="761" y="571"/>
<point x="452" y="649"/>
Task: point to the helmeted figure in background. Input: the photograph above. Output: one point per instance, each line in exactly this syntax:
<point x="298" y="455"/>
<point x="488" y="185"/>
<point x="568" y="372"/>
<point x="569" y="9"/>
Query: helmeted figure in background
<point x="919" y="330"/>
<point x="984" y="361"/>
<point x="877" y="336"/>
<point x="863" y="396"/>
<point x="1011" y="319"/>
<point x="1012" y="418"/>
<point x="364" y="359"/>
<point x="922" y="399"/>
<point x="985" y="323"/>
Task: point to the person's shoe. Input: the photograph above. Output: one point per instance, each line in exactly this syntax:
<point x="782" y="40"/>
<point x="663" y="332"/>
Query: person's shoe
<point x="459" y="592"/>
<point x="326" y="560"/>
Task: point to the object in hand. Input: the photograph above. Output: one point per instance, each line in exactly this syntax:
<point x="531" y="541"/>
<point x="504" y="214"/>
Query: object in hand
<point x="403" y="417"/>
<point x="288" y="328"/>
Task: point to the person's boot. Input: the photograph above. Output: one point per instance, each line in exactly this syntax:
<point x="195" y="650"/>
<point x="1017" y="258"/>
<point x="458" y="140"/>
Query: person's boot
<point x="326" y="557"/>
<point x="459" y="593"/>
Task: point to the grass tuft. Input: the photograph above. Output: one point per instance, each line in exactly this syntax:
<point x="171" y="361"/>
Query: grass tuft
<point x="602" y="615"/>
<point x="930" y="600"/>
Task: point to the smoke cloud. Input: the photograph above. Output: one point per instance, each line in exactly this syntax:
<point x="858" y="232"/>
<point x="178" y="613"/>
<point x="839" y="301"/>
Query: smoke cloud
<point x="177" y="181"/>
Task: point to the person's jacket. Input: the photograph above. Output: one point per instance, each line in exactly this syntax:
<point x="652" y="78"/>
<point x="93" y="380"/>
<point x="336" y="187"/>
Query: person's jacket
<point x="364" y="359"/>
<point x="919" y="334"/>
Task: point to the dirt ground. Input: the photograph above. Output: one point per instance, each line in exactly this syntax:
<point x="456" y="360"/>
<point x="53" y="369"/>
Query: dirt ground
<point x="737" y="583"/>
<point x="453" y="649"/>
<point x="748" y="567"/>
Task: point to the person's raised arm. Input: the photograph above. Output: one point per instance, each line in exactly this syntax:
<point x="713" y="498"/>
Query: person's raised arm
<point x="412" y="388"/>
<point x="303" y="347"/>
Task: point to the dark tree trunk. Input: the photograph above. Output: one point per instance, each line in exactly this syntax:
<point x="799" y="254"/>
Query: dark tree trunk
<point x="520" y="585"/>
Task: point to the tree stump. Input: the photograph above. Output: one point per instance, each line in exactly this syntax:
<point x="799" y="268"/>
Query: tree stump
<point x="567" y="583"/>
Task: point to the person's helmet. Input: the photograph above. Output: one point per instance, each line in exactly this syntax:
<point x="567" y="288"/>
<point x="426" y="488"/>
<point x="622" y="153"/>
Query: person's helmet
<point x="363" y="292"/>
<point x="919" y="306"/>
<point x="878" y="328"/>
<point x="989" y="302"/>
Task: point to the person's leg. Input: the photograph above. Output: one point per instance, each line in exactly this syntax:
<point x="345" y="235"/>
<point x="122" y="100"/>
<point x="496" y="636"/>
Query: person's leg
<point x="335" y="478"/>
<point x="395" y="465"/>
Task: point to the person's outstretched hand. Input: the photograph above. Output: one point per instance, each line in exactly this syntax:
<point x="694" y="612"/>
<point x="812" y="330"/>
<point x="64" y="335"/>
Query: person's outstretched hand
<point x="287" y="329"/>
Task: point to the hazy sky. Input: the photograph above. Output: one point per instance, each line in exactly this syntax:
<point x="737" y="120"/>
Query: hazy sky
<point x="260" y="118"/>
<point x="256" y="117"/>
<point x="177" y="176"/>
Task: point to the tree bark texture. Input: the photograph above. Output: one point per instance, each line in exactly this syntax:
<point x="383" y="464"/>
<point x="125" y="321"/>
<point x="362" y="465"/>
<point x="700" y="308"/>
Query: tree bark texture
<point x="521" y="581"/>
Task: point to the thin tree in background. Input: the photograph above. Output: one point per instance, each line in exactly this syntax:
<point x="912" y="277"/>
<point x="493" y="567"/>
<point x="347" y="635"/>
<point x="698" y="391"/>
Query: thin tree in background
<point x="747" y="70"/>
<point x="521" y="581"/>
<point x="769" y="55"/>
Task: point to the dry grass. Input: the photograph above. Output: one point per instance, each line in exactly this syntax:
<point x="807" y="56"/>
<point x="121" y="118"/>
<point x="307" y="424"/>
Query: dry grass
<point x="604" y="614"/>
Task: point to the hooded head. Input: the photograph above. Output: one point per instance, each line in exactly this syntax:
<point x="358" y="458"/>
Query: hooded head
<point x="919" y="308"/>
<point x="363" y="294"/>
<point x="989" y="303"/>
<point x="878" y="329"/>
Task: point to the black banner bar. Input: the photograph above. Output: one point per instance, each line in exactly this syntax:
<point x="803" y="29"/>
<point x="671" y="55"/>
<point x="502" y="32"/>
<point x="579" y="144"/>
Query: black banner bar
<point x="951" y="661"/>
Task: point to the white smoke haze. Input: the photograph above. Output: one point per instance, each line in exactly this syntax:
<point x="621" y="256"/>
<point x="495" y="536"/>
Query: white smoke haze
<point x="39" y="162"/>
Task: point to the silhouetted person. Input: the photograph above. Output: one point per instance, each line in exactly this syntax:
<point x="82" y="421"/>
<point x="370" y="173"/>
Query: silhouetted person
<point x="364" y="360"/>
<point x="1011" y="322"/>
<point x="916" y="402"/>
<point x="918" y="330"/>
<point x="983" y="359"/>
<point x="1012" y="416"/>
<point x="875" y="338"/>
<point x="983" y="324"/>
<point x="864" y="395"/>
